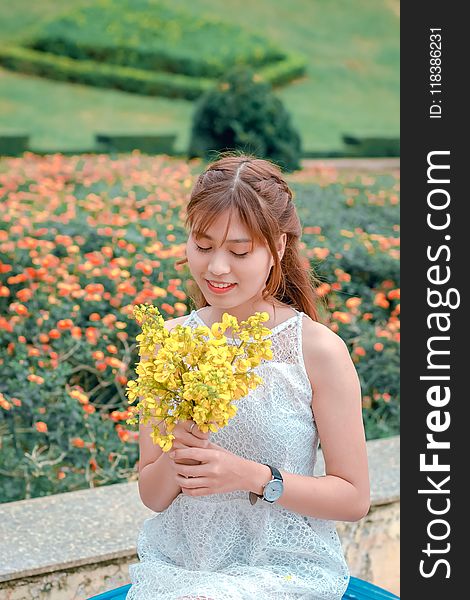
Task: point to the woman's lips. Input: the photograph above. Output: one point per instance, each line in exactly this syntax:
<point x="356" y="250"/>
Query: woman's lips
<point x="217" y="290"/>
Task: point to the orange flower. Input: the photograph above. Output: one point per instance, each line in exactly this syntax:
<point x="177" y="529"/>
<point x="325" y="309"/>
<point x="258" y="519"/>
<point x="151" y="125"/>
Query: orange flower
<point x="78" y="442"/>
<point x="41" y="426"/>
<point x="394" y="294"/>
<point x="119" y="415"/>
<point x="378" y="347"/>
<point x="360" y="351"/>
<point x="342" y="317"/>
<point x="20" y="309"/>
<point x="111" y="349"/>
<point x="54" y="334"/>
<point x="123" y="435"/>
<point x="24" y="294"/>
<point x="65" y="324"/>
<point x="168" y="308"/>
<point x="122" y="379"/>
<point x="93" y="464"/>
<point x="182" y="296"/>
<point x="4" y="403"/>
<point x="89" y="408"/>
<point x="180" y="307"/>
<point x="381" y="300"/>
<point x="312" y="230"/>
<point x="323" y="289"/>
<point x="112" y="362"/>
<point x="353" y="302"/>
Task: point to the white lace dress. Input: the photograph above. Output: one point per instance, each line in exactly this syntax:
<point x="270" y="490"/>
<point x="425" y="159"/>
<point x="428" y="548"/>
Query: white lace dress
<point x="220" y="547"/>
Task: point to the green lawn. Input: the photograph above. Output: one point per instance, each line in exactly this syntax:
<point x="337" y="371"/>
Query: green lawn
<point x="352" y="82"/>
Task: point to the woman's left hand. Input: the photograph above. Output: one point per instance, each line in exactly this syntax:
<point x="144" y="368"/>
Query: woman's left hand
<point x="220" y="471"/>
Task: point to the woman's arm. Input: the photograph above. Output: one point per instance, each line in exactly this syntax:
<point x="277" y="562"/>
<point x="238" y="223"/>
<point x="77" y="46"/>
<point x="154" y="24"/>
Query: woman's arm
<point x="157" y="487"/>
<point x="343" y="494"/>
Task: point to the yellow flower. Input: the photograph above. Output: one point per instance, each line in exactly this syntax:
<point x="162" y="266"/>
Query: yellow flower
<point x="194" y="374"/>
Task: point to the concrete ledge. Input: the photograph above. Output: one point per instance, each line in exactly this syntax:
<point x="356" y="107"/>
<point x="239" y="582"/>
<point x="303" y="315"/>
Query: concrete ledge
<point x="68" y="545"/>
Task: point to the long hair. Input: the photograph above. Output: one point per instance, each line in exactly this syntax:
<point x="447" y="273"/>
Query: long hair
<point x="257" y="191"/>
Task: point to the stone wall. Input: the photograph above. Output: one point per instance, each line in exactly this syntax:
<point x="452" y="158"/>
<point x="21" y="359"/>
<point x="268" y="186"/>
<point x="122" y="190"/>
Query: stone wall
<point x="75" y="545"/>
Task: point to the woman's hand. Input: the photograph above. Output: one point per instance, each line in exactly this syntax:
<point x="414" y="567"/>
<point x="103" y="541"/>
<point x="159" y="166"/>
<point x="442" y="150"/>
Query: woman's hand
<point x="219" y="471"/>
<point x="184" y="438"/>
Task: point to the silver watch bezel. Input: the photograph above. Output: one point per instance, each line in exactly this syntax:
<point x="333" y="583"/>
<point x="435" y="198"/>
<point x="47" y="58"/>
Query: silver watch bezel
<point x="273" y="490"/>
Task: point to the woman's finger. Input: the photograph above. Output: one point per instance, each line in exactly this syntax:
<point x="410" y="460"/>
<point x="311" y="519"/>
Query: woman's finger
<point x="191" y="482"/>
<point x="190" y="470"/>
<point x="196" y="432"/>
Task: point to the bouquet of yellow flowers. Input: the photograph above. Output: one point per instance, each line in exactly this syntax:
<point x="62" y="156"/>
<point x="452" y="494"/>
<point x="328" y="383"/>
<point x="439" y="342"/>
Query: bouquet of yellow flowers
<point x="191" y="377"/>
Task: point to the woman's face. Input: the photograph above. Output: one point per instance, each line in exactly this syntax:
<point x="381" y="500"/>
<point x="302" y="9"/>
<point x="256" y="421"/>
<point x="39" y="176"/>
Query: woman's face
<point x="231" y="263"/>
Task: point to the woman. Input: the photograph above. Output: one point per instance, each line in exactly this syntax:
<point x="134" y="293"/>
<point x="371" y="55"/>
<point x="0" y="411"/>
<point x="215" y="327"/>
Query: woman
<point x="247" y="519"/>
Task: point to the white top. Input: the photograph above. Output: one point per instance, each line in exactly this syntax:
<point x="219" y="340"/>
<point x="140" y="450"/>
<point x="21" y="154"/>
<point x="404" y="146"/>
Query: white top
<point x="221" y="547"/>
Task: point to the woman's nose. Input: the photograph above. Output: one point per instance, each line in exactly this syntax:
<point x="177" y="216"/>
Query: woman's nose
<point x="219" y="264"/>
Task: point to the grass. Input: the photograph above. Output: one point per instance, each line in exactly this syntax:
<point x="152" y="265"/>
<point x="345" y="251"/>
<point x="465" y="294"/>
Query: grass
<point x="352" y="82"/>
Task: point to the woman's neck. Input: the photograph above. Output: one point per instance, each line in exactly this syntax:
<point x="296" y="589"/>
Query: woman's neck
<point x="277" y="313"/>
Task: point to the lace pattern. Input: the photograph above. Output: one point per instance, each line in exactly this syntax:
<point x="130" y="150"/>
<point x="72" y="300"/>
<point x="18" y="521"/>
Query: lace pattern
<point x="220" y="547"/>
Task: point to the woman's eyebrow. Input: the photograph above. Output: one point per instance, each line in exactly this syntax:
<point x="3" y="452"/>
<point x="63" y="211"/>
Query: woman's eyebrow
<point x="237" y="241"/>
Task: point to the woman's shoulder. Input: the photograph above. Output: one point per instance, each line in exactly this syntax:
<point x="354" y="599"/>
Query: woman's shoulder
<point x="319" y="341"/>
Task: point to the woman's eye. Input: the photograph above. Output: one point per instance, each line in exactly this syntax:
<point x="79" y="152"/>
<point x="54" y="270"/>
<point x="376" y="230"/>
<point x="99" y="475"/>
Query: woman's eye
<point x="207" y="250"/>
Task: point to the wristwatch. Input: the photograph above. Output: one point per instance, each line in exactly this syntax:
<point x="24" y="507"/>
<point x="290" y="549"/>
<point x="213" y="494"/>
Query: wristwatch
<point x="272" y="490"/>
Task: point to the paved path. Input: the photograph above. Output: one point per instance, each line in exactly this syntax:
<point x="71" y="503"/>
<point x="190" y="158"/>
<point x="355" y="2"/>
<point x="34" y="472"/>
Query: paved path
<point x="368" y="164"/>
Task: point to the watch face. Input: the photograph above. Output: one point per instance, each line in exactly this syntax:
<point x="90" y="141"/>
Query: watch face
<point x="273" y="490"/>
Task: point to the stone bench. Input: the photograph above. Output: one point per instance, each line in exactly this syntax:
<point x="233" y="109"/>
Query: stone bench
<point x="72" y="546"/>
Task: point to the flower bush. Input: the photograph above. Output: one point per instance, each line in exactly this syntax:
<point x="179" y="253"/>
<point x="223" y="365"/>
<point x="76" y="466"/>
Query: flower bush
<point x="84" y="239"/>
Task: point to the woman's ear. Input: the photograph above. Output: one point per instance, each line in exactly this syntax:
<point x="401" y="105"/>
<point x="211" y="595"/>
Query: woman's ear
<point x="282" y="245"/>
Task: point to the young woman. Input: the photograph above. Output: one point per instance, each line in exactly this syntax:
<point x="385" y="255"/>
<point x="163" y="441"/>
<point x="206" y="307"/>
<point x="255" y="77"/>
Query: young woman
<point x="247" y="519"/>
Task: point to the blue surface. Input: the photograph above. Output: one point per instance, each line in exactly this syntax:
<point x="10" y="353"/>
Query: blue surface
<point x="357" y="590"/>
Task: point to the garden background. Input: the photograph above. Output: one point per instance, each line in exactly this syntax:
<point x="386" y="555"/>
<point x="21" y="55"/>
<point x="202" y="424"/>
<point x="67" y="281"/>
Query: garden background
<point x="105" y="121"/>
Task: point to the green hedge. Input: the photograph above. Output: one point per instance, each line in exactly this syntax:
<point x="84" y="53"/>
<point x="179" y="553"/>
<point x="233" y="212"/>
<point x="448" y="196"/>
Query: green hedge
<point x="147" y="35"/>
<point x="149" y="144"/>
<point x="372" y="146"/>
<point x="153" y="36"/>
<point x="101" y="75"/>
<point x="13" y="144"/>
<point x="128" y="79"/>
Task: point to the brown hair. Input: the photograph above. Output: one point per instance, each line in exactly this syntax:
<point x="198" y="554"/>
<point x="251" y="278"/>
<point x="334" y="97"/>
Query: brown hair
<point x="255" y="188"/>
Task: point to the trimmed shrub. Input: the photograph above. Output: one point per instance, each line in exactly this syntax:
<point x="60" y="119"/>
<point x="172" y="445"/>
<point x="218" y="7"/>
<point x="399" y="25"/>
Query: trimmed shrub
<point x="243" y="113"/>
